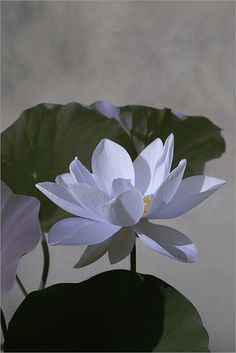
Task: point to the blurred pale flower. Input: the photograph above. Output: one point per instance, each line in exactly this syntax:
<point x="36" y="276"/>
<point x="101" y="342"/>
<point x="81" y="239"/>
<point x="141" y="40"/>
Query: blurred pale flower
<point x="119" y="198"/>
<point x="20" y="232"/>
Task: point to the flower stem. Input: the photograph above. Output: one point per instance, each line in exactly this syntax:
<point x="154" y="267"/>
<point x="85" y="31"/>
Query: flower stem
<point x="21" y="286"/>
<point x="45" y="264"/>
<point x="4" y="325"/>
<point x="133" y="259"/>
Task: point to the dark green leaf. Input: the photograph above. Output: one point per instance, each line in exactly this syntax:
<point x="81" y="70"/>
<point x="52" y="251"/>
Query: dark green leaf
<point x="183" y="330"/>
<point x="196" y="138"/>
<point x="114" y="311"/>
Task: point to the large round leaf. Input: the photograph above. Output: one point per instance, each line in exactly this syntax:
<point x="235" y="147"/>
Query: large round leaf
<point x="196" y="137"/>
<point x="45" y="139"/>
<point x="113" y="311"/>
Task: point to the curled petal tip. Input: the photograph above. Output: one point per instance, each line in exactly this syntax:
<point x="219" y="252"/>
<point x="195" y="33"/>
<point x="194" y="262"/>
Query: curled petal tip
<point x="40" y="186"/>
<point x="183" y="161"/>
<point x="101" y="143"/>
<point x="192" y="253"/>
<point x="106" y="140"/>
<point x="216" y="182"/>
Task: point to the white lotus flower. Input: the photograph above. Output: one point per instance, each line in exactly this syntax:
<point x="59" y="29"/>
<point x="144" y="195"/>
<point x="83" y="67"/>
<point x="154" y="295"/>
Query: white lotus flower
<point x="117" y="201"/>
<point x="20" y="232"/>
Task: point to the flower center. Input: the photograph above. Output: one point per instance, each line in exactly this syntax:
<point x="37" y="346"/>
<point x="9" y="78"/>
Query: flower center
<point x="147" y="202"/>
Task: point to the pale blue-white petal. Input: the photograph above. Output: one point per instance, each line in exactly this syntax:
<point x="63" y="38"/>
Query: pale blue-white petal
<point x="80" y="231"/>
<point x="119" y="186"/>
<point x="61" y="196"/>
<point x="90" y="198"/>
<point x="167" y="241"/>
<point x="5" y="193"/>
<point x="65" y="179"/>
<point x="81" y="173"/>
<point x="8" y="275"/>
<point x="167" y="190"/>
<point x="181" y="116"/>
<point x="121" y="245"/>
<point x="20" y="233"/>
<point x="125" y="210"/>
<point x="163" y="166"/>
<point x="93" y="252"/>
<point x="191" y="192"/>
<point x="144" y="164"/>
<point x="111" y="161"/>
<point x="106" y="108"/>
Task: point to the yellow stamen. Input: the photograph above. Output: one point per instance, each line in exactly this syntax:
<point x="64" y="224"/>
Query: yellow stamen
<point x="147" y="202"/>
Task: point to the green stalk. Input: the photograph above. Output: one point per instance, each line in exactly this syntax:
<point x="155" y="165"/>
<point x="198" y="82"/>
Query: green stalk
<point x="21" y="286"/>
<point x="4" y="325"/>
<point x="133" y="259"/>
<point x="46" y="262"/>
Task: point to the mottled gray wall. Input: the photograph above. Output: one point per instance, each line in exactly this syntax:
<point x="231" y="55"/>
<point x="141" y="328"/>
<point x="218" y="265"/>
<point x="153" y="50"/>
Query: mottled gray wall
<point x="160" y="53"/>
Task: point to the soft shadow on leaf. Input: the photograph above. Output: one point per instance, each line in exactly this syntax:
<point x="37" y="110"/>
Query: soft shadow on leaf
<point x="114" y="311"/>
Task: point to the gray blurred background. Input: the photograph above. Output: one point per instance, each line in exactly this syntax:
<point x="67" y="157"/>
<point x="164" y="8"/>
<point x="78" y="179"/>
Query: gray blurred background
<point x="178" y="54"/>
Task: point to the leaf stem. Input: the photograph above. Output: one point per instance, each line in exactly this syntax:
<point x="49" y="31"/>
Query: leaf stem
<point x="46" y="262"/>
<point x="133" y="259"/>
<point x="3" y="325"/>
<point x="21" y="286"/>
